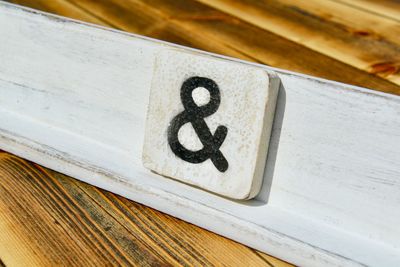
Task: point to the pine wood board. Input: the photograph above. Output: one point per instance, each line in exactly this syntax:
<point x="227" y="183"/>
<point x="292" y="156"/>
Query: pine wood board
<point x="361" y="39"/>
<point x="385" y="8"/>
<point x="50" y="219"/>
<point x="217" y="31"/>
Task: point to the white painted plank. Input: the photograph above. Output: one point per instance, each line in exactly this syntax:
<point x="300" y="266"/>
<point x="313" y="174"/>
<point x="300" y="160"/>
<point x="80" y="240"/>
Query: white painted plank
<point x="331" y="191"/>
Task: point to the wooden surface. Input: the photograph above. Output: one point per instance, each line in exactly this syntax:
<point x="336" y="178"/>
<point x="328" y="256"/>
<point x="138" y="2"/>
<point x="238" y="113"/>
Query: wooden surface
<point x="48" y="218"/>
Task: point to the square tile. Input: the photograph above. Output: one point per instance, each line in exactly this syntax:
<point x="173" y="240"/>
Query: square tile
<point x="209" y="122"/>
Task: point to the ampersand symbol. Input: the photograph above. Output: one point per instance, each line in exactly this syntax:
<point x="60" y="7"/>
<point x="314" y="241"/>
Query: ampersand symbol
<point x="195" y="115"/>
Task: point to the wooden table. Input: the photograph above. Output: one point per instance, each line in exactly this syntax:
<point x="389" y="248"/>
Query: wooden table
<point x="47" y="218"/>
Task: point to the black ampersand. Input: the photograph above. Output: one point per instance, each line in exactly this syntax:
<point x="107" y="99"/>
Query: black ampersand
<point x="195" y="115"/>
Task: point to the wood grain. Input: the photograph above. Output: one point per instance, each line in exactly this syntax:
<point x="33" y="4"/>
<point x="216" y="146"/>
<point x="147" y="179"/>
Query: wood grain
<point x="363" y="40"/>
<point x="47" y="218"/>
<point x="385" y="8"/>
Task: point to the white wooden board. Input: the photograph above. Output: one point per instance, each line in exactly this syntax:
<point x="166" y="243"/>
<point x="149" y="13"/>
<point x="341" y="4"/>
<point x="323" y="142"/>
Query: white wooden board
<point x="73" y="97"/>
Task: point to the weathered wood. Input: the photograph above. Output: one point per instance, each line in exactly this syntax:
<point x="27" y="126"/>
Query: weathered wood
<point x="197" y="25"/>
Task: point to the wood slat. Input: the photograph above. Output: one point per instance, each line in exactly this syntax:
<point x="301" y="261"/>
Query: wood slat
<point x="263" y="46"/>
<point x="385" y="8"/>
<point x="47" y="222"/>
<point x="49" y="219"/>
<point x="69" y="9"/>
<point x="363" y="40"/>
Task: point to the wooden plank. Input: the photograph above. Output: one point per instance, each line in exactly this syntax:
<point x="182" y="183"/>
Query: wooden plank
<point x="389" y="9"/>
<point x="196" y="25"/>
<point x="363" y="40"/>
<point x="47" y="218"/>
<point x="265" y="46"/>
<point x="69" y="9"/>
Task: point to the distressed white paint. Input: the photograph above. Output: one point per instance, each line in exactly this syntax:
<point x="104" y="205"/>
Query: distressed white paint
<point x="73" y="97"/>
<point x="247" y="105"/>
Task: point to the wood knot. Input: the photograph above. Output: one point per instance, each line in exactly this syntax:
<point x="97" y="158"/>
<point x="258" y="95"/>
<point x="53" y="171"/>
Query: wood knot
<point x="361" y="33"/>
<point x="385" y="68"/>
